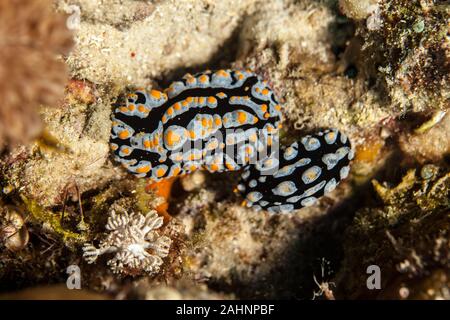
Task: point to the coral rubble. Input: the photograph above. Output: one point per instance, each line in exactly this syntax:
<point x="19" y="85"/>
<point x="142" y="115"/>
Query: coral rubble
<point x="409" y="51"/>
<point x="406" y="235"/>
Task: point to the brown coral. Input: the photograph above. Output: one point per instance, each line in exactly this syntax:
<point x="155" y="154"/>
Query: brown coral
<point x="31" y="37"/>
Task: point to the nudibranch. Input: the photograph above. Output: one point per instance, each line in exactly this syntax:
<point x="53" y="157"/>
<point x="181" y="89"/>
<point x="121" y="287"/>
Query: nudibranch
<point x="227" y="120"/>
<point x="306" y="170"/>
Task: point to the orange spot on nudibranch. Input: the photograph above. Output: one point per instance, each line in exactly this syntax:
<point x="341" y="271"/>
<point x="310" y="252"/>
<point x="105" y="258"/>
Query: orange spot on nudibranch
<point x="242" y="117"/>
<point x="176" y="171"/>
<point x="156" y="94"/>
<point x="160" y="172"/>
<point x="212" y="100"/>
<point x="229" y="166"/>
<point x="222" y="73"/>
<point x="143" y="169"/>
<point x="190" y="79"/>
<point x="172" y="138"/>
<point x="124" y="134"/>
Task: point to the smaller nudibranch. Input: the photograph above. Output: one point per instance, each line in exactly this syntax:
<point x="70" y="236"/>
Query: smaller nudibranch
<point x="305" y="171"/>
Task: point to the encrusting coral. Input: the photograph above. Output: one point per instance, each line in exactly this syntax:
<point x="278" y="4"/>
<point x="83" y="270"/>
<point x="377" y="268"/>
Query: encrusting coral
<point x="133" y="239"/>
<point x="406" y="235"/>
<point x="31" y="37"/>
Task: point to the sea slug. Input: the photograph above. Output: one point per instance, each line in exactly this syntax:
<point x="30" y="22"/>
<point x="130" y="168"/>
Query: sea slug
<point x="225" y="121"/>
<point x="306" y="170"/>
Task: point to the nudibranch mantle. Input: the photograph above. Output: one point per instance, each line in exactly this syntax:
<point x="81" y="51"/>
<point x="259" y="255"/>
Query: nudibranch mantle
<point x="306" y="171"/>
<point x="224" y="121"/>
<point x="196" y="123"/>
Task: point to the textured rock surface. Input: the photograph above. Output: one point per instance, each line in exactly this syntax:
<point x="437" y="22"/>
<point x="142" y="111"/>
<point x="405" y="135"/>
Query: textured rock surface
<point x="406" y="236"/>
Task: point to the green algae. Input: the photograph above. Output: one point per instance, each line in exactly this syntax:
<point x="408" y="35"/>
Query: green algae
<point x="52" y="219"/>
